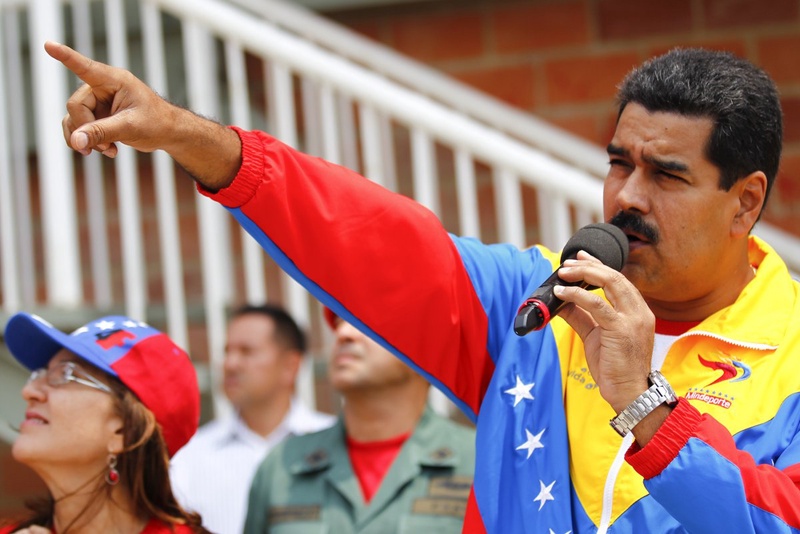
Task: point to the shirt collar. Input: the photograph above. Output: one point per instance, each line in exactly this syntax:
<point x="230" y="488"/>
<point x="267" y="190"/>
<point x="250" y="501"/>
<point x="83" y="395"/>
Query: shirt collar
<point x="299" y="420"/>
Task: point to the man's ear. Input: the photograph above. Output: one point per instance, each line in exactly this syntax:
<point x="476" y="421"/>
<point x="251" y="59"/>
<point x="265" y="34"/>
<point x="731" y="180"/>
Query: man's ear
<point x="752" y="192"/>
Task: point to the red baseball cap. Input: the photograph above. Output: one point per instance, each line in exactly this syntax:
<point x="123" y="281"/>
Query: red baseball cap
<point x="146" y="360"/>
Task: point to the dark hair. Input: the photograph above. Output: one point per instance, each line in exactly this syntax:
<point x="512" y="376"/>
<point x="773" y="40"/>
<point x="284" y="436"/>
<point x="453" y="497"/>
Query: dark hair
<point x="143" y="467"/>
<point x="739" y="97"/>
<point x="287" y="333"/>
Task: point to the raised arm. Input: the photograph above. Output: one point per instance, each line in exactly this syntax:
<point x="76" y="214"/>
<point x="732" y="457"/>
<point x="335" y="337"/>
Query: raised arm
<point x="114" y="106"/>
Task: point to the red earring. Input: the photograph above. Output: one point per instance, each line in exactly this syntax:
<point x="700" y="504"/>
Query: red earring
<point x="112" y="476"/>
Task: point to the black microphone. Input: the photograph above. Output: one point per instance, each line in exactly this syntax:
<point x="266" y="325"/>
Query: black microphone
<point x="604" y="241"/>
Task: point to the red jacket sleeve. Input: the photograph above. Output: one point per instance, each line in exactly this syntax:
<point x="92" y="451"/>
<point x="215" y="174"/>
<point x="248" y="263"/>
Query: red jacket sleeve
<point x="705" y="454"/>
<point x="381" y="260"/>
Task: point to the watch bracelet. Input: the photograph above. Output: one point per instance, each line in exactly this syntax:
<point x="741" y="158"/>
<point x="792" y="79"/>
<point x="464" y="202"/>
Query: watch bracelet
<point x="656" y="395"/>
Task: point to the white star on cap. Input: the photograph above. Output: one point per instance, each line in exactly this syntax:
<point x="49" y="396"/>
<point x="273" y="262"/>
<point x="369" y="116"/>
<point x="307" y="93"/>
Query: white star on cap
<point x="520" y="391"/>
<point x="105" y="325"/>
<point x="130" y="324"/>
<point x="567" y="532"/>
<point x="544" y="494"/>
<point x="533" y="443"/>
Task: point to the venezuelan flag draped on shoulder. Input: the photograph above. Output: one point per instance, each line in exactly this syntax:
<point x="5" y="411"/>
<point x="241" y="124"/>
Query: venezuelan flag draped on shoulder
<point x="446" y="305"/>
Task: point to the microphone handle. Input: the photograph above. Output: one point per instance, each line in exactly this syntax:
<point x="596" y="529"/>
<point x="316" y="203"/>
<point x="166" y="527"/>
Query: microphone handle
<point x="542" y="305"/>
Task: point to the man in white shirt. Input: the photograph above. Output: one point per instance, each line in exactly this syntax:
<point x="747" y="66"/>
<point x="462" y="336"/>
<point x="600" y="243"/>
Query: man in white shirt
<point x="212" y="473"/>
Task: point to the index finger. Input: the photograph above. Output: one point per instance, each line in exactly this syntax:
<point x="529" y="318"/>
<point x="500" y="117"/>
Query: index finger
<point x="90" y="71"/>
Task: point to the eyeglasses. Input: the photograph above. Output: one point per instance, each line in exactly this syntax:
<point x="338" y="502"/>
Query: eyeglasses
<point x="61" y="373"/>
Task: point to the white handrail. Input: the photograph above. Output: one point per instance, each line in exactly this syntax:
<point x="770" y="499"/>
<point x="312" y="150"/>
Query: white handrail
<point x="127" y="180"/>
<point x="93" y="177"/>
<point x="62" y="271"/>
<point x="212" y="225"/>
<point x="426" y="181"/>
<point x="380" y="58"/>
<point x="402" y="104"/>
<point x="468" y="215"/>
<point x="19" y="159"/>
<point x="164" y="175"/>
<point x="508" y="203"/>
<point x="240" y="115"/>
<point x="8" y="261"/>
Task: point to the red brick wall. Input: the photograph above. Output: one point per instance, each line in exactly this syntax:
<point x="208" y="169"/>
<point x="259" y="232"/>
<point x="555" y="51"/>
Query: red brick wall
<point x="562" y="59"/>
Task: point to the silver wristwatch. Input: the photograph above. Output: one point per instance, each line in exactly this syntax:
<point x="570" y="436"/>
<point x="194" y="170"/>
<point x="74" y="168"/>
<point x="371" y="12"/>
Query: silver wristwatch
<point x="660" y="392"/>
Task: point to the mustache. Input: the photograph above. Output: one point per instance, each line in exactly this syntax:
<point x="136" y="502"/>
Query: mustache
<point x="635" y="223"/>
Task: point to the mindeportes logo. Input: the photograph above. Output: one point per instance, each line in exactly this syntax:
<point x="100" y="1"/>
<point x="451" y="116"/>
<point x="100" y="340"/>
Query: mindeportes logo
<point x="730" y="370"/>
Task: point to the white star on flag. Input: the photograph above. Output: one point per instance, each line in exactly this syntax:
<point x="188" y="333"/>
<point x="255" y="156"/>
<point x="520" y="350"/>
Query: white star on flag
<point x="130" y="324"/>
<point x="544" y="494"/>
<point x="533" y="443"/>
<point x="105" y="325"/>
<point x="520" y="391"/>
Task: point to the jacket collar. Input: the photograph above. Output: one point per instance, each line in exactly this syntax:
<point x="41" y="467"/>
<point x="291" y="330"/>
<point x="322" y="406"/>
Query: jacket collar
<point x="762" y="314"/>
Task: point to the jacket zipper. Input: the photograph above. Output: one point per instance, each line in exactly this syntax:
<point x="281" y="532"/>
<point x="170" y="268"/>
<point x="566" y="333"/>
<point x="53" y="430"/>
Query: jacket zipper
<point x="616" y="465"/>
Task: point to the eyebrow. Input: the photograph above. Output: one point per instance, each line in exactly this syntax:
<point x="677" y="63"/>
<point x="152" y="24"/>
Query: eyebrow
<point x="667" y="165"/>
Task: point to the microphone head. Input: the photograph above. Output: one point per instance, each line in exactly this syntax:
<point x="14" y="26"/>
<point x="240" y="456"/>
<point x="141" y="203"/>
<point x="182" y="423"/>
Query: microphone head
<point x="604" y="241"/>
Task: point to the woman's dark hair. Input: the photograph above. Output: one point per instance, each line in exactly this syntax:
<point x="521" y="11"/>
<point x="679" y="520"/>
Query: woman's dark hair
<point x="143" y="467"/>
<point x="740" y="98"/>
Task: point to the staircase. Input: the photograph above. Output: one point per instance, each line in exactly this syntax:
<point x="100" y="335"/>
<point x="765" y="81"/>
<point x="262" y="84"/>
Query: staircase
<point x="81" y="237"/>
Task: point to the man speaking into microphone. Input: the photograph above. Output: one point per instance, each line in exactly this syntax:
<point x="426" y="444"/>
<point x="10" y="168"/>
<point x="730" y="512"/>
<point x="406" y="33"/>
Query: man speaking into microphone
<point x="667" y="402"/>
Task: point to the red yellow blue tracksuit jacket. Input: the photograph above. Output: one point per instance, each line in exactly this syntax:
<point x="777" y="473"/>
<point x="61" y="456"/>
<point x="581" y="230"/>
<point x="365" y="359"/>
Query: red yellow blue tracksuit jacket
<point x="726" y="460"/>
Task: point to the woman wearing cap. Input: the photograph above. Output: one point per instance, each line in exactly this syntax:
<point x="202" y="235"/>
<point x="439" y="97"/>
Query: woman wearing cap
<point x="107" y="406"/>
